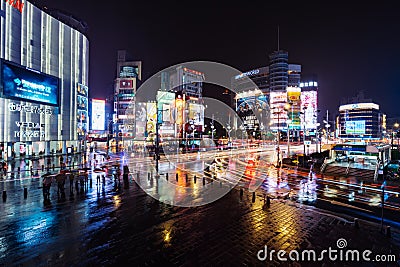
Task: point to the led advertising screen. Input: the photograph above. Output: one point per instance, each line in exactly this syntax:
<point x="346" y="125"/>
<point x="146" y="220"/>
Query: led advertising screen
<point x="98" y="114"/>
<point x="165" y="102"/>
<point x="151" y="117"/>
<point x="294" y="98"/>
<point x="278" y="101"/>
<point x="196" y="114"/>
<point x="355" y="127"/>
<point x="29" y="85"/>
<point x="309" y="104"/>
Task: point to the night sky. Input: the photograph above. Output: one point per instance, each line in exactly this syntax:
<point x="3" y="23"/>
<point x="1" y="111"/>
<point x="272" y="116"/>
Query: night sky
<point x="350" y="47"/>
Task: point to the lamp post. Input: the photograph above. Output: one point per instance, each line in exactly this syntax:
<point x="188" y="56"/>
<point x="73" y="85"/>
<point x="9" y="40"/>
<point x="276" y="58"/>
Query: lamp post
<point x="383" y="201"/>
<point x="288" y="122"/>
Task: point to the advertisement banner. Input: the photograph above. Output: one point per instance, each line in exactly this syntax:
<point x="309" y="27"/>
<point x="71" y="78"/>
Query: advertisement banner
<point x="166" y="102"/>
<point x="355" y="127"/>
<point x="278" y="100"/>
<point x="140" y="119"/>
<point x="180" y="109"/>
<point x="196" y="114"/>
<point x="309" y="105"/>
<point x="294" y="99"/>
<point x="25" y="84"/>
<point x="98" y="114"/>
<point x="151" y="118"/>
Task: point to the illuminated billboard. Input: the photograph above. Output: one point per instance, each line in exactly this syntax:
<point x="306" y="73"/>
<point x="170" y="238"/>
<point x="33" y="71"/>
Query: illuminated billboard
<point x="98" y="114"/>
<point x="25" y="84"/>
<point x="294" y="99"/>
<point x="151" y="117"/>
<point x="82" y="108"/>
<point x="180" y="108"/>
<point x="196" y="114"/>
<point x="355" y="127"/>
<point x="309" y="105"/>
<point x="278" y="100"/>
<point x="165" y="102"/>
<point x="140" y="119"/>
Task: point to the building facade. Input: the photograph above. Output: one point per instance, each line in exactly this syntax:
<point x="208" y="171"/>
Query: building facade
<point x="129" y="75"/>
<point x="361" y="121"/>
<point x="44" y="82"/>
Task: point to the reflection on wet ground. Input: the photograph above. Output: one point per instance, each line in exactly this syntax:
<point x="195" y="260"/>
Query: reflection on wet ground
<point x="106" y="220"/>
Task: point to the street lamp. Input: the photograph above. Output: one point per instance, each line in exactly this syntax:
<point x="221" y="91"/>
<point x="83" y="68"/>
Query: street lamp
<point x="288" y="122"/>
<point x="327" y="125"/>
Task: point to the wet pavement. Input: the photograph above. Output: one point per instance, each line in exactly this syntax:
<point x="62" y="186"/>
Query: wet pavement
<point x="112" y="224"/>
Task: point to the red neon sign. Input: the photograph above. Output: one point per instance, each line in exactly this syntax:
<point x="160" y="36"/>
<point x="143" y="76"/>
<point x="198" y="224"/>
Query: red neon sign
<point x="17" y="4"/>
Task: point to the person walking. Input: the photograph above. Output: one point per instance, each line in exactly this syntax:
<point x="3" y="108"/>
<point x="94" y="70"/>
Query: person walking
<point x="47" y="181"/>
<point x="71" y="183"/>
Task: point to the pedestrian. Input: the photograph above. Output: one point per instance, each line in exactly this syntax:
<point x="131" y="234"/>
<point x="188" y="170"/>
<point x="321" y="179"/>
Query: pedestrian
<point x="47" y="181"/>
<point x="60" y="178"/>
<point x="71" y="183"/>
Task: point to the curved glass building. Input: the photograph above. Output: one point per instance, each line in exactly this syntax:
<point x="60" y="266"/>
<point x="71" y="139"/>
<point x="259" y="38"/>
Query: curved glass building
<point x="43" y="83"/>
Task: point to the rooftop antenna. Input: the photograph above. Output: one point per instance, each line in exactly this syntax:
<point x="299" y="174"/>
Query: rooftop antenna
<point x="278" y="37"/>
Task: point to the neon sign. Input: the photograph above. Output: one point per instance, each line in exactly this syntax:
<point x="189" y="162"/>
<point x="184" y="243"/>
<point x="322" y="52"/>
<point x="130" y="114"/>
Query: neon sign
<point x="17" y="4"/>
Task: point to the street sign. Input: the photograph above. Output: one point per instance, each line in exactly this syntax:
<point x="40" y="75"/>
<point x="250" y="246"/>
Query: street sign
<point x="307" y="142"/>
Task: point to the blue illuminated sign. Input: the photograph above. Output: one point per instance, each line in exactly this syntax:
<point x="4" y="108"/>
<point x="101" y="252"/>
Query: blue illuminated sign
<point x="29" y="85"/>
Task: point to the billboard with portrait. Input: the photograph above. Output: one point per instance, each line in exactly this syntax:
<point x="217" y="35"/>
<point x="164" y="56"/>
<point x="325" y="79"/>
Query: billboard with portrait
<point x="29" y="85"/>
<point x="98" y="114"/>
<point x="151" y="108"/>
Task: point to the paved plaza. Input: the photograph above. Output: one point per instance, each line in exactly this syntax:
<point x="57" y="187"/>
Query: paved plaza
<point x="112" y="224"/>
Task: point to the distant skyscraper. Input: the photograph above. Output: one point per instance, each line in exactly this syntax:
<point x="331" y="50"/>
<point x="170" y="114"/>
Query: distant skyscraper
<point x="127" y="80"/>
<point x="278" y="71"/>
<point x="294" y="75"/>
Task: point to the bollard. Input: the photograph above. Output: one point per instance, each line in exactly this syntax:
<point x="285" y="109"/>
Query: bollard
<point x="25" y="192"/>
<point x="241" y="193"/>
<point x="4" y="196"/>
<point x="19" y="169"/>
<point x="176" y="177"/>
<point x="194" y="179"/>
<point x="166" y="176"/>
<point x="204" y="180"/>
<point x="268" y="201"/>
<point x="148" y="176"/>
<point x="356" y="223"/>
<point x="53" y="167"/>
<point x="73" y="164"/>
<point x="253" y="199"/>
<point x="42" y="167"/>
<point x="220" y="184"/>
<point x="388" y="232"/>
